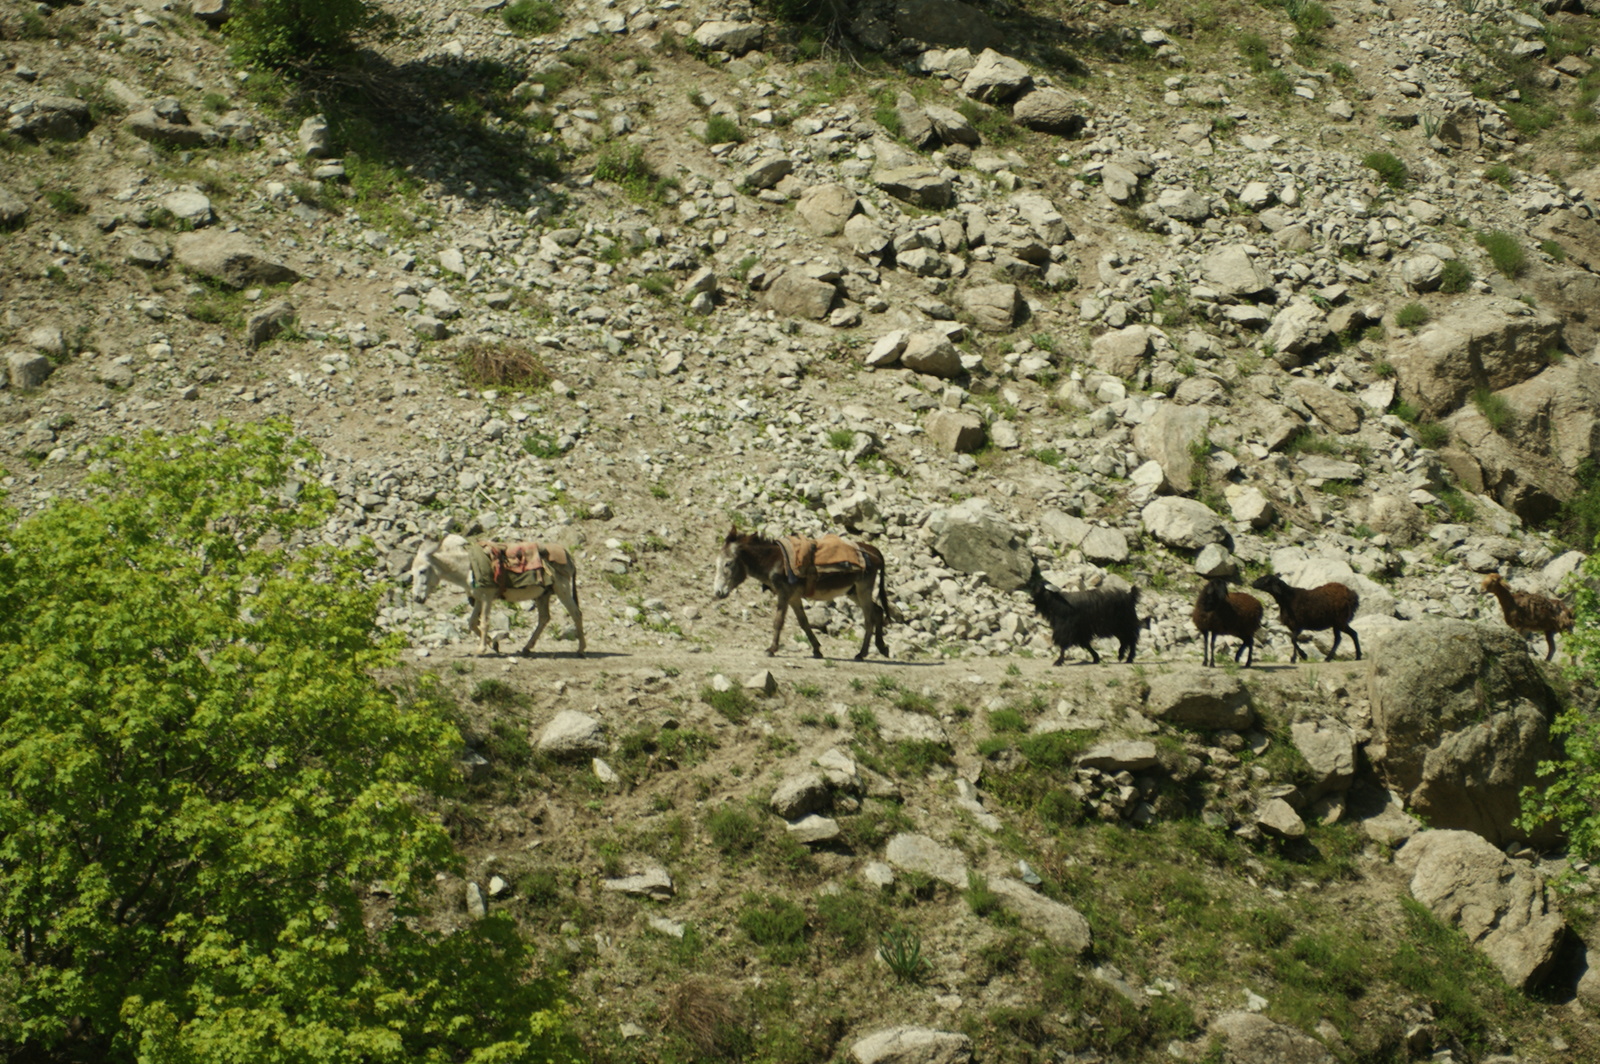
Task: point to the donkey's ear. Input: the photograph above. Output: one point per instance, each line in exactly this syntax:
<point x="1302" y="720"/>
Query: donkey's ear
<point x="733" y="534"/>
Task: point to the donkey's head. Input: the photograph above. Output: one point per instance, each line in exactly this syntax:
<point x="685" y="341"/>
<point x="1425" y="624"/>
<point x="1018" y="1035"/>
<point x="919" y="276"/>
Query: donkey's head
<point x="730" y="566"/>
<point x="424" y="577"/>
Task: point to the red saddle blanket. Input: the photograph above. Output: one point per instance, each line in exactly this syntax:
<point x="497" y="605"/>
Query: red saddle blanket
<point x="518" y="565"/>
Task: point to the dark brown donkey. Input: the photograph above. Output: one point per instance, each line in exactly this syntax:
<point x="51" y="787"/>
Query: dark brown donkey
<point x="748" y="555"/>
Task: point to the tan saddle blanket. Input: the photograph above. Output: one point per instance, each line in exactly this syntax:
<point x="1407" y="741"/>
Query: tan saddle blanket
<point x="513" y="566"/>
<point x="806" y="558"/>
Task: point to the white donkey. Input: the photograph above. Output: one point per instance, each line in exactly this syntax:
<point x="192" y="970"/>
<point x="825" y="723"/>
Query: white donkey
<point x="450" y="562"/>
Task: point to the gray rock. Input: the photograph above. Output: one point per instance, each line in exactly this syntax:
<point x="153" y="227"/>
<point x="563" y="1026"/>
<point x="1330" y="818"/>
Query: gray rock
<point x="1183" y="523"/>
<point x="1329" y="750"/>
<point x="1061" y="924"/>
<point x="931" y="352"/>
<point x="211" y="12"/>
<point x="1121" y="352"/>
<point x="866" y="237"/>
<point x="799" y="795"/>
<point x="1118" y="182"/>
<point x="955" y="431"/>
<point x="814" y="829"/>
<point x="951" y="126"/>
<point x="912" y="1045"/>
<point x="767" y="172"/>
<point x="268" y="322"/>
<point x="145" y="253"/>
<point x="652" y="883"/>
<point x="231" y="258"/>
<point x="573" y="735"/>
<point x="314" y="138"/>
<point x="1168" y="437"/>
<point x="887" y="348"/>
<point x="1481" y="342"/>
<point x="794" y="295"/>
<point x="735" y="38"/>
<point x="1422" y="273"/>
<point x="13" y="209"/>
<point x="1099" y="545"/>
<point x="1277" y="817"/>
<point x="1251" y="1038"/>
<point x="1049" y="111"/>
<point x="1233" y="273"/>
<point x="1334" y="409"/>
<point x="189" y="205"/>
<point x="1499" y="904"/>
<point x="826" y="208"/>
<point x="1214" y="561"/>
<point x="48" y="340"/>
<point x="921" y="186"/>
<point x="27" y="371"/>
<point x="897" y="725"/>
<point x="50" y="118"/>
<point x="1197" y="697"/>
<point x="973" y="539"/>
<point x="1249" y="506"/>
<point x="1296" y="329"/>
<point x="995" y="78"/>
<point x="1130" y="755"/>
<point x="150" y="126"/>
<point x="1461" y="719"/>
<point x="1184" y="204"/>
<point x="918" y="853"/>
<point x="993" y="307"/>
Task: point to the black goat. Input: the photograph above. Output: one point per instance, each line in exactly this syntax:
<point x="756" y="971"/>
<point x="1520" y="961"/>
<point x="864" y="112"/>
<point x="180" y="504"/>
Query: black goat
<point x="1218" y="613"/>
<point x="1313" y="610"/>
<point x="1077" y="618"/>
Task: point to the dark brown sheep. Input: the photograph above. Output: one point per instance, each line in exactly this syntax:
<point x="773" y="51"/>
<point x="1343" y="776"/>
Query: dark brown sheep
<point x="1218" y="612"/>
<point x="1313" y="610"/>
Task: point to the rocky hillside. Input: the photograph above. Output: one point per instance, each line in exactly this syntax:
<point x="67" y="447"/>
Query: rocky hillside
<point x="1133" y="296"/>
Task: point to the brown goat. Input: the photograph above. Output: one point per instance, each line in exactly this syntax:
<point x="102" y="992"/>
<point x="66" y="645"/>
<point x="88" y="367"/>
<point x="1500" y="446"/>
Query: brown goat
<point x="1527" y="612"/>
<point x="1218" y="613"/>
<point x="1311" y="610"/>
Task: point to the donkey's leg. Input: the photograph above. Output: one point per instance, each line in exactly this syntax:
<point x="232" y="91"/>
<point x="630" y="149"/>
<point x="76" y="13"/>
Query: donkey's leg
<point x="543" y="603"/>
<point x="567" y="592"/>
<point x="805" y="626"/>
<point x="480" y="617"/>
<point x="777" y="621"/>
<point x="871" y="622"/>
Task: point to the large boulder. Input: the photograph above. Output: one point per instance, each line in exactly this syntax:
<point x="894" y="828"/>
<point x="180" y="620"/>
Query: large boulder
<point x="572" y="735"/>
<point x="1121" y="352"/>
<point x="951" y="126"/>
<point x="1329" y="751"/>
<point x="166" y="132"/>
<point x="1484" y="461"/>
<point x="1499" y="904"/>
<point x="1251" y="1038"/>
<point x="920" y="186"/>
<point x="1049" y="111"/>
<point x="1099" y="545"/>
<point x="912" y="1045"/>
<point x="971" y="538"/>
<point x="13" y="209"/>
<point x="794" y="295"/>
<point x="956" y="431"/>
<point x="1233" y="273"/>
<point x="1556" y="415"/>
<point x="826" y="208"/>
<point x="996" y="78"/>
<point x="50" y="118"/>
<point x="1184" y="524"/>
<point x="1195" y="697"/>
<point x="1056" y="921"/>
<point x="735" y="38"/>
<point x="993" y="307"/>
<point x="931" y="352"/>
<point x="919" y="853"/>
<point x="1482" y="342"/>
<point x="1168" y="438"/>
<point x="231" y="259"/>
<point x="1461" y="719"/>
<point x="1295" y="330"/>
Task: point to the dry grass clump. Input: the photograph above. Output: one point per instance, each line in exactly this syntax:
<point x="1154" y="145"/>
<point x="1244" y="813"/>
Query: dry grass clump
<point x="502" y="364"/>
<point x="701" y="1011"/>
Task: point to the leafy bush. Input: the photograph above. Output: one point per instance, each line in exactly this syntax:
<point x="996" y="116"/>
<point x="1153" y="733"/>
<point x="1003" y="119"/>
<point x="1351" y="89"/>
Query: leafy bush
<point x="1386" y="166"/>
<point x="1456" y="277"/>
<point x="1432" y="435"/>
<point x="720" y="129"/>
<point x="283" y="33"/>
<point x="1500" y="174"/>
<point x="777" y="925"/>
<point x="733" y="831"/>
<point x="627" y="167"/>
<point x="1411" y="316"/>
<point x="1253" y="47"/>
<point x="529" y="18"/>
<point x="733" y="703"/>
<point x="190" y="831"/>
<point x="1504" y="251"/>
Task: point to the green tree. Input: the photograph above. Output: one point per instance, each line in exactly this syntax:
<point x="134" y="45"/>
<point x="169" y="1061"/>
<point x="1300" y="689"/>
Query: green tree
<point x="280" y="33"/>
<point x="201" y="781"/>
<point x="1570" y="795"/>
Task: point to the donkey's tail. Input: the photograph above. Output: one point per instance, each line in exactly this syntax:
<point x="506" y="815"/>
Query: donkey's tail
<point x="883" y="597"/>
